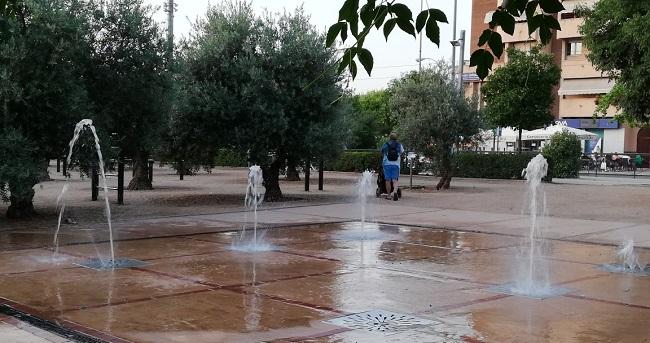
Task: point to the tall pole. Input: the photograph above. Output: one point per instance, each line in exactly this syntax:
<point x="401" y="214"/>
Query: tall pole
<point x="453" y="48"/>
<point x="170" y="27"/>
<point x="461" y="60"/>
<point x="420" y="59"/>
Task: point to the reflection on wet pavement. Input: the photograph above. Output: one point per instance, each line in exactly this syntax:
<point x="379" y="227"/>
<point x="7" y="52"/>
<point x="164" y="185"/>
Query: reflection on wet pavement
<point x="193" y="288"/>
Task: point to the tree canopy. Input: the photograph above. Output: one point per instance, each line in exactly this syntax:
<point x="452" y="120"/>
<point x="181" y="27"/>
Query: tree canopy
<point x="387" y="14"/>
<point x="370" y="119"/>
<point x="520" y="93"/>
<point x="618" y="41"/>
<point x="267" y="86"/>
<point x="434" y="117"/>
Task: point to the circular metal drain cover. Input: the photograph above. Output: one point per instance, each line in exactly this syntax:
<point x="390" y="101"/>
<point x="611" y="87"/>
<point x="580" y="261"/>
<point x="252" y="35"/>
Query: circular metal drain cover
<point x="380" y="321"/>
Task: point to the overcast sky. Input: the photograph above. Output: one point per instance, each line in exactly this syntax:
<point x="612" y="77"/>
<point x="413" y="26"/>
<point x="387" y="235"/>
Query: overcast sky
<point x="391" y="59"/>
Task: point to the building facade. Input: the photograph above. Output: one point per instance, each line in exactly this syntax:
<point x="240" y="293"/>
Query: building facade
<point x="580" y="86"/>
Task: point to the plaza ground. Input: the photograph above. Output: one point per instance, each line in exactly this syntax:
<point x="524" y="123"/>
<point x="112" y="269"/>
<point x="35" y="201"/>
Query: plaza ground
<point x="433" y="256"/>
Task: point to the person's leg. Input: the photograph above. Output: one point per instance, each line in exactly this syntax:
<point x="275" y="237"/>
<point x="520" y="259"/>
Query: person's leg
<point x="390" y="179"/>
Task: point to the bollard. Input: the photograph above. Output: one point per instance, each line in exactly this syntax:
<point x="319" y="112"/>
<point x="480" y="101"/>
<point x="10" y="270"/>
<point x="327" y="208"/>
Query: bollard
<point x="94" y="181"/>
<point x="120" y="182"/>
<point x="181" y="170"/>
<point x="321" y="166"/>
<point x="151" y="171"/>
<point x="307" y="173"/>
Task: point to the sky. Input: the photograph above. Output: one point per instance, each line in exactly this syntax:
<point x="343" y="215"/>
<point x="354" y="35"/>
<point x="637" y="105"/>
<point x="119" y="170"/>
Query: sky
<point x="392" y="58"/>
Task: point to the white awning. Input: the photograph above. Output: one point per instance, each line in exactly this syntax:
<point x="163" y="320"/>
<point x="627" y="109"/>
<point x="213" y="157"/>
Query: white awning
<point x="548" y="132"/>
<point x="585" y="86"/>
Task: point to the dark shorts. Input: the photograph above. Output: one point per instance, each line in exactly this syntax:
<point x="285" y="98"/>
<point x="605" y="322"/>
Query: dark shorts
<point x="391" y="172"/>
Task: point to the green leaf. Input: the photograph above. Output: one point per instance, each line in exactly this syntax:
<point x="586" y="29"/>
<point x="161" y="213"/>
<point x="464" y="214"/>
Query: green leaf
<point x="535" y="22"/>
<point x="367" y="13"/>
<point x="433" y="32"/>
<point x="348" y="56"/>
<point x="333" y="32"/>
<point x="551" y="22"/>
<point x="496" y="44"/>
<point x="483" y="60"/>
<point x="382" y="11"/>
<point x="353" y="69"/>
<point x="530" y="14"/>
<point x="348" y="10"/>
<point x="389" y="26"/>
<point x="354" y="26"/>
<point x="485" y="36"/>
<point x="401" y="11"/>
<point x="545" y="34"/>
<point x="366" y="59"/>
<point x="421" y="20"/>
<point x="344" y="32"/>
<point x="406" y="26"/>
<point x="505" y="20"/>
<point x="551" y="6"/>
<point x="438" y="15"/>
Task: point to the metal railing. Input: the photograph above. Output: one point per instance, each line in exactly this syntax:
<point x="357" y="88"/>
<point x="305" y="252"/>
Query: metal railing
<point x="631" y="164"/>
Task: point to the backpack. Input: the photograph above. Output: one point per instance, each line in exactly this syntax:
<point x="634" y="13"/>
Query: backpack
<point x="393" y="153"/>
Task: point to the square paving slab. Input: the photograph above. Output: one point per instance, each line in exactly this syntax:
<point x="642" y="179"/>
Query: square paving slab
<point x="194" y="288"/>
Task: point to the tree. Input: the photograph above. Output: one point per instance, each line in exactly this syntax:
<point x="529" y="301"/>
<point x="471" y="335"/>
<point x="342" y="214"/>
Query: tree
<point x="434" y="116"/>
<point x="540" y="15"/>
<point x="43" y="55"/>
<point x="370" y="120"/>
<point x="617" y="38"/>
<point x="267" y="87"/>
<point x="130" y="81"/>
<point x="519" y="94"/>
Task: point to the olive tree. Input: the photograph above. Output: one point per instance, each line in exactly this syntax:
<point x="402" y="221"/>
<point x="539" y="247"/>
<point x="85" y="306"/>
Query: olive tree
<point x="434" y="117"/>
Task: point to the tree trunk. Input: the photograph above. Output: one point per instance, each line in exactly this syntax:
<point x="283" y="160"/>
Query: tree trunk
<point x="140" y="180"/>
<point x="272" y="182"/>
<point x="446" y="173"/>
<point x="292" y="172"/>
<point x="21" y="207"/>
<point x="519" y="142"/>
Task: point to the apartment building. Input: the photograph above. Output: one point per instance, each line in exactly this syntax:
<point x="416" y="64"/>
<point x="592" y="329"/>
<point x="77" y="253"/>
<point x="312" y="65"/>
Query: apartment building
<point x="580" y="84"/>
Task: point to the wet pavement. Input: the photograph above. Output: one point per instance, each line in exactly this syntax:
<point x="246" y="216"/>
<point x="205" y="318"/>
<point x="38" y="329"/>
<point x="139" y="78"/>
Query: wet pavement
<point x="434" y="284"/>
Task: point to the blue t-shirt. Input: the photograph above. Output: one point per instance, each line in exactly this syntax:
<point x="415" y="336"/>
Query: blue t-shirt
<point x="384" y="151"/>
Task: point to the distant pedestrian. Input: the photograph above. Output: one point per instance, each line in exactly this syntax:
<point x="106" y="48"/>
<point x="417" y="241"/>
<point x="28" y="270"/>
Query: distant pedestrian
<point x="392" y="150"/>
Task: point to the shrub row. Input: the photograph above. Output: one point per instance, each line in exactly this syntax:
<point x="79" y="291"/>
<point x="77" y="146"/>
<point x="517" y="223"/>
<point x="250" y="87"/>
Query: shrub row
<point x="355" y="161"/>
<point x="230" y="158"/>
<point x="491" y="166"/>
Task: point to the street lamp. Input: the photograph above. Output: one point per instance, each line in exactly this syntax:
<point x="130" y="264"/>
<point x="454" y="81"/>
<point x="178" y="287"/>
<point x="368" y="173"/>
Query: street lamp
<point x="461" y="58"/>
<point x="419" y="60"/>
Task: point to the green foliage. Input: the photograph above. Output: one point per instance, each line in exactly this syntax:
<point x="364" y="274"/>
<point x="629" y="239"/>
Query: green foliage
<point x="19" y="170"/>
<point x="519" y="94"/>
<point x="563" y="153"/>
<point x="617" y="37"/>
<point x="356" y="161"/>
<point x="434" y="116"/>
<point x="540" y="16"/>
<point x="230" y="158"/>
<point x="265" y="86"/>
<point x="371" y="119"/>
<point x="491" y="166"/>
<point x="130" y="82"/>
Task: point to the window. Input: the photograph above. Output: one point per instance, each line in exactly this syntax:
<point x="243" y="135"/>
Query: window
<point x="574" y="48"/>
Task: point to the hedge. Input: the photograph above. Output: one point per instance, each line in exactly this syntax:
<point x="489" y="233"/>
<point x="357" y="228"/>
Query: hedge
<point x="491" y="166"/>
<point x="355" y="161"/>
<point x="230" y="158"/>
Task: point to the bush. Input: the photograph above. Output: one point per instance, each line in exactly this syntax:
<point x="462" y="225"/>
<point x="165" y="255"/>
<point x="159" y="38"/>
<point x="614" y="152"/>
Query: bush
<point x="19" y="172"/>
<point x="491" y="166"/>
<point x="230" y="158"/>
<point x="563" y="153"/>
<point x="355" y="161"/>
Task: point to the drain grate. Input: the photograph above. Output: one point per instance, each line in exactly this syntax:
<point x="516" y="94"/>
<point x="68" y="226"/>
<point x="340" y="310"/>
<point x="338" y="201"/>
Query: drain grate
<point x="380" y="321"/>
<point x="119" y="263"/>
<point x="619" y="268"/>
<point x="540" y="293"/>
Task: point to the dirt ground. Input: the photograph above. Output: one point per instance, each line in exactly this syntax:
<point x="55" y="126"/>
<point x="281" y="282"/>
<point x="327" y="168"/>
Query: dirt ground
<point x="223" y="189"/>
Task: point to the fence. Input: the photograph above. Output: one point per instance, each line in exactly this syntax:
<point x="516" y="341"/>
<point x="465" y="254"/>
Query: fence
<point x="630" y="164"/>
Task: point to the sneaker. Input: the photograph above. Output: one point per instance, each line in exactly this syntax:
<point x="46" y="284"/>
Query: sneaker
<point x="395" y="196"/>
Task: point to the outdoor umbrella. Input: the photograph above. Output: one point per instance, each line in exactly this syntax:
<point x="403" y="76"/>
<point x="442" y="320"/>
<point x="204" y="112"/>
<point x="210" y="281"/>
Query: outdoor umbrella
<point x="546" y="133"/>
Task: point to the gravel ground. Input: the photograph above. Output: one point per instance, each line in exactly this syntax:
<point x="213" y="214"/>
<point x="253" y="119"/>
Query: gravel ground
<point x="222" y="191"/>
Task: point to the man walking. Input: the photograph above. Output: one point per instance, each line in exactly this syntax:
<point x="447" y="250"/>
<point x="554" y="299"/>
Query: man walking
<point x="392" y="150"/>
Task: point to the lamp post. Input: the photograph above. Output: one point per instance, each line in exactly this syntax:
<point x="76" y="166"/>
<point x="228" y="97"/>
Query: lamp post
<point x="460" y="42"/>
